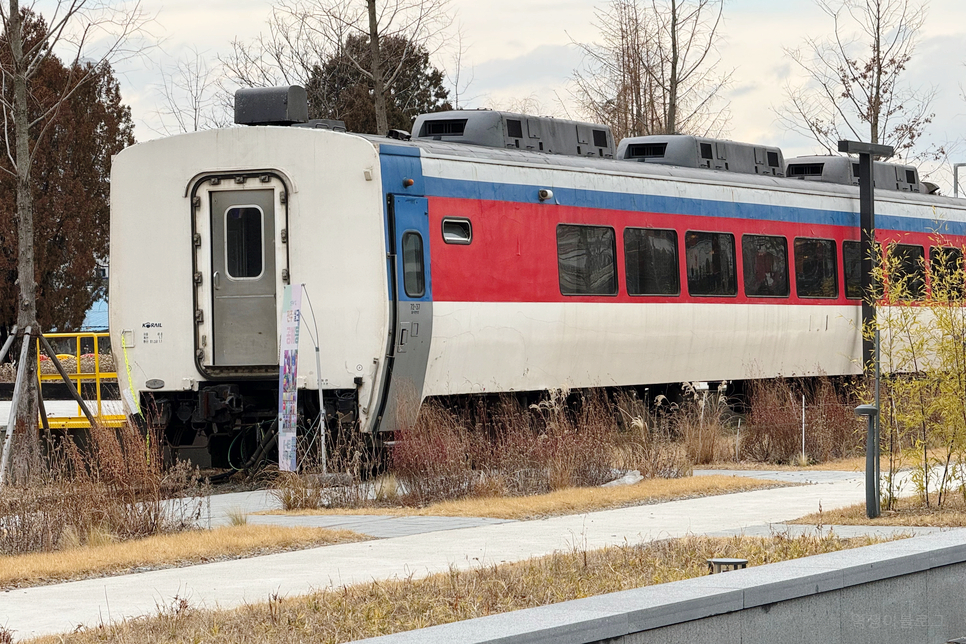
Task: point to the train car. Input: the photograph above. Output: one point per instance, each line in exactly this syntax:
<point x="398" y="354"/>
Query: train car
<point x="433" y="267"/>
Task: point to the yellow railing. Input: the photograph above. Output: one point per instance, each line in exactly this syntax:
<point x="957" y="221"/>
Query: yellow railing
<point x="80" y="368"/>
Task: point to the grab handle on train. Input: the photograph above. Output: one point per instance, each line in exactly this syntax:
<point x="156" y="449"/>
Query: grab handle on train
<point x="216" y="280"/>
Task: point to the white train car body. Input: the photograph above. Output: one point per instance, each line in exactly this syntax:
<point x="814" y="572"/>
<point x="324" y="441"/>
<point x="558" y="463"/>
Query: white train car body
<point x="438" y="269"/>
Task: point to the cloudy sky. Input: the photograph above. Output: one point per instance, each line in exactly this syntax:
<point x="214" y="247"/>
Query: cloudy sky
<point x="523" y="49"/>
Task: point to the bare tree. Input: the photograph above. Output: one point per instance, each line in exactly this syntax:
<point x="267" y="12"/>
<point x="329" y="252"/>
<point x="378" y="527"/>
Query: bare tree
<point x="855" y="86"/>
<point x="190" y="95"/>
<point x="656" y="69"/>
<point x="456" y="73"/>
<point x="97" y="31"/>
<point x="304" y="33"/>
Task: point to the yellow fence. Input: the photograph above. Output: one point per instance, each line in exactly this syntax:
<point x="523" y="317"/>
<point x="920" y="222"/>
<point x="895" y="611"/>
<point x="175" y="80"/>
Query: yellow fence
<point x="82" y="367"/>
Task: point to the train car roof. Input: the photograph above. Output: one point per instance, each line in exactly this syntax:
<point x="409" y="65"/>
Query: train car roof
<point x="462" y="151"/>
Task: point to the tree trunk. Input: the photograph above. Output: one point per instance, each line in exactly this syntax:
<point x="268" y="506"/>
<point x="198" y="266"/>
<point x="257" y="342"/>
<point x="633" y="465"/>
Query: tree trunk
<point x="378" y="82"/>
<point x="672" y="109"/>
<point x="27" y="306"/>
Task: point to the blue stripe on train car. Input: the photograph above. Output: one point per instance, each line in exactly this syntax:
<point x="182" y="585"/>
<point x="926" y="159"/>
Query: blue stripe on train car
<point x="490" y="191"/>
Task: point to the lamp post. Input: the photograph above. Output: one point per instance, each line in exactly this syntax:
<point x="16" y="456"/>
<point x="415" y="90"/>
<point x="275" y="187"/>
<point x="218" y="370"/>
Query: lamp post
<point x="870" y="345"/>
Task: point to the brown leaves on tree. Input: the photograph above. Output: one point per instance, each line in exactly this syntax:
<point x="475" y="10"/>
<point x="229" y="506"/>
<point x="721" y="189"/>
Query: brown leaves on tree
<point x="71" y="178"/>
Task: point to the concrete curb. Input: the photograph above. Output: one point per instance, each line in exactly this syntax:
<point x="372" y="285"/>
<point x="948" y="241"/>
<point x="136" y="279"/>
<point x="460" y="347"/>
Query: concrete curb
<point x="634" y="611"/>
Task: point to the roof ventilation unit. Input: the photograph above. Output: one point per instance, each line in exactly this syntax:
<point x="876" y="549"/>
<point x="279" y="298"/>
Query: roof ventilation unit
<point x="516" y="131"/>
<point x="700" y="152"/>
<point x="271" y="105"/>
<point x="845" y="171"/>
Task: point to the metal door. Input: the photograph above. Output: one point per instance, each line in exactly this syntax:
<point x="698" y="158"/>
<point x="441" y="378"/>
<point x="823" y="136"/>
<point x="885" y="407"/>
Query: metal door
<point x="412" y="298"/>
<point x="244" y="318"/>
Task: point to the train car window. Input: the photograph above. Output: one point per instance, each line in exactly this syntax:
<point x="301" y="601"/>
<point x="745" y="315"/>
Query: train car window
<point x="946" y="272"/>
<point x="651" y="260"/>
<point x="773" y="159"/>
<point x="815" y="268"/>
<point x="243" y="242"/>
<point x="586" y="260"/>
<point x="414" y="275"/>
<point x="457" y="231"/>
<point x="907" y="271"/>
<point x="765" y="263"/>
<point x="706" y="151"/>
<point x="514" y="128"/>
<point x="710" y="260"/>
<point x="852" y="263"/>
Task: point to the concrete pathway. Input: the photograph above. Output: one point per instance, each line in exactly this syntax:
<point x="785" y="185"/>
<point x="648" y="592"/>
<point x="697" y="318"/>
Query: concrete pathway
<point x="62" y="607"/>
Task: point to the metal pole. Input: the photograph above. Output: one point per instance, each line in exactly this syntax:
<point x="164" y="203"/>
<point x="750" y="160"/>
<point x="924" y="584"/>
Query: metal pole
<point x="9" y="342"/>
<point x="877" y="422"/>
<point x="67" y="381"/>
<point x="870" y="343"/>
<point x="14" y="403"/>
<point x="867" y="225"/>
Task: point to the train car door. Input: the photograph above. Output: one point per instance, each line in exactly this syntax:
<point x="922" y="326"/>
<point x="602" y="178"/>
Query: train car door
<point x="412" y="299"/>
<point x="244" y="326"/>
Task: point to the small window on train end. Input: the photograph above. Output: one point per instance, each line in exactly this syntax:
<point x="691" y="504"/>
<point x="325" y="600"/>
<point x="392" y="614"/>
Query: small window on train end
<point x="586" y="260"/>
<point x="907" y="272"/>
<point x="600" y="138"/>
<point x="457" y="231"/>
<point x="816" y="274"/>
<point x="514" y="129"/>
<point x="765" y="261"/>
<point x="773" y="160"/>
<point x="710" y="259"/>
<point x="707" y="152"/>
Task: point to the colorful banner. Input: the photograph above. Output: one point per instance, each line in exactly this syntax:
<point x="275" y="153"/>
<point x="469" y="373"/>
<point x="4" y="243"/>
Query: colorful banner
<point x="288" y="390"/>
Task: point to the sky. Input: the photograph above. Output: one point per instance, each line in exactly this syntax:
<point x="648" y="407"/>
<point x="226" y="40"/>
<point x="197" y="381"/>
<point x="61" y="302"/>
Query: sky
<point x="518" y="50"/>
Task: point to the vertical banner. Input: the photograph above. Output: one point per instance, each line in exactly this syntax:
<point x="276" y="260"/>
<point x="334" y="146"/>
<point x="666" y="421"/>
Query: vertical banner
<point x="288" y="391"/>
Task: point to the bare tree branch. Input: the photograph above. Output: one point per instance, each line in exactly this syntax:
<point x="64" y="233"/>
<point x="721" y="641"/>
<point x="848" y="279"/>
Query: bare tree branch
<point x="656" y="69"/>
<point x="856" y="86"/>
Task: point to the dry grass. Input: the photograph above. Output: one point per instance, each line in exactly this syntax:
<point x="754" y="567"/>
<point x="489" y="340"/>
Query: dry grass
<point x="773" y="432"/>
<point x="854" y="464"/>
<point x="114" y="487"/>
<point x="568" y="501"/>
<point x="196" y="546"/>
<point x="909" y="512"/>
<point x="383" y="607"/>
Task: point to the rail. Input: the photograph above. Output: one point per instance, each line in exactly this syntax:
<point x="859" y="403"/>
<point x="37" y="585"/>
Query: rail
<point x="87" y="368"/>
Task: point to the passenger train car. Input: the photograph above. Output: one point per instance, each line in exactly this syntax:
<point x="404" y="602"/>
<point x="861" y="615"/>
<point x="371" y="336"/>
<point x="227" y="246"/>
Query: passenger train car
<point x="436" y="268"/>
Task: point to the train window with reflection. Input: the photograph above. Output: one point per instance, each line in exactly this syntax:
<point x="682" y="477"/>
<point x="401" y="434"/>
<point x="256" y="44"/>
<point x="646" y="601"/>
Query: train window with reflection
<point x="815" y="268"/>
<point x="710" y="259"/>
<point x="651" y="260"/>
<point x="946" y="272"/>
<point x="414" y="274"/>
<point x="765" y="263"/>
<point x="907" y="272"/>
<point x="243" y="242"/>
<point x="586" y="260"/>
<point x="852" y="263"/>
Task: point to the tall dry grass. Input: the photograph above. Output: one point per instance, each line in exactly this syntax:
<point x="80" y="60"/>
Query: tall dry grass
<point x="500" y="447"/>
<point x="773" y="432"/>
<point x="113" y="488"/>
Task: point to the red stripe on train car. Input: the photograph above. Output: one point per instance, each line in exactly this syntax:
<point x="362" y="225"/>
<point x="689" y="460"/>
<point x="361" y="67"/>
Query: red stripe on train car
<point x="513" y="256"/>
